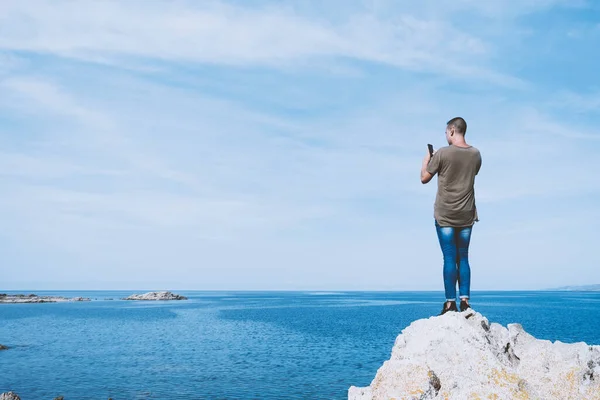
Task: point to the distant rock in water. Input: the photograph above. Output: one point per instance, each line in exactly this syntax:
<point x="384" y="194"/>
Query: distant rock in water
<point x="582" y="288"/>
<point x="14" y="396"/>
<point x="461" y="356"/>
<point x="156" y="296"/>
<point x="3" y="347"/>
<point x="9" y="396"/>
<point x="33" y="298"/>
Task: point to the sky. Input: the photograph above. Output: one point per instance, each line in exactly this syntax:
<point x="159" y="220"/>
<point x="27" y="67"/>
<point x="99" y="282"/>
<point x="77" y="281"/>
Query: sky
<point x="277" y="145"/>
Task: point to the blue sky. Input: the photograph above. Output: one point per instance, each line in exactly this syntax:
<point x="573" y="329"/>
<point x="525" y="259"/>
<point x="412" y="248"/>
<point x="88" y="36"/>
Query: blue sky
<point x="277" y="144"/>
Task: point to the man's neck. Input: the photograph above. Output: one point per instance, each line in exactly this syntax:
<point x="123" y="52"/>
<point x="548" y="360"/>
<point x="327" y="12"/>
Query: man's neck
<point x="460" y="143"/>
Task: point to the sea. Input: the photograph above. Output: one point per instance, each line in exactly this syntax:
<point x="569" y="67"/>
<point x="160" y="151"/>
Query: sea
<point x="242" y="345"/>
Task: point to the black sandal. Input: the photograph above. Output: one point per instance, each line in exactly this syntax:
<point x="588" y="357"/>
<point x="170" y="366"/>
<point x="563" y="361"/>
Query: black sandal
<point x="464" y="305"/>
<point x="449" y="306"/>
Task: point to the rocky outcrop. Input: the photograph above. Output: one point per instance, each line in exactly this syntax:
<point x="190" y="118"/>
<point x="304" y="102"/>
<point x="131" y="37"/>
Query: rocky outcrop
<point x="14" y="396"/>
<point x="582" y="288"/>
<point x="463" y="356"/>
<point x="9" y="396"/>
<point x="33" y="298"/>
<point x="156" y="296"/>
<point x="3" y="347"/>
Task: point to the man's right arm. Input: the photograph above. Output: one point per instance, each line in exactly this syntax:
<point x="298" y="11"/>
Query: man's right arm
<point x="426" y="176"/>
<point x="430" y="166"/>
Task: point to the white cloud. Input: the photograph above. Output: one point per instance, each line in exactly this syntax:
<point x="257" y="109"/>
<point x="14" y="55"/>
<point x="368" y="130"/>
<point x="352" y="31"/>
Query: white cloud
<point x="578" y="102"/>
<point x="9" y="62"/>
<point x="52" y="99"/>
<point x="273" y="35"/>
<point x="513" y="8"/>
<point x="42" y="166"/>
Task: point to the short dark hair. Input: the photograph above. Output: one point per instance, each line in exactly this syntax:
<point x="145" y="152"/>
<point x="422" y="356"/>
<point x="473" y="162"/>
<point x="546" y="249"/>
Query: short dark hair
<point x="459" y="124"/>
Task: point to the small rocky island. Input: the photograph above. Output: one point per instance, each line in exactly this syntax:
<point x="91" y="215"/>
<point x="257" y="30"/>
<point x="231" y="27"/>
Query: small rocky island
<point x="3" y="347"/>
<point x="9" y="396"/>
<point x="460" y="355"/>
<point x="34" y="298"/>
<point x="14" y="396"/>
<point x="156" y="296"/>
<point x="581" y="288"/>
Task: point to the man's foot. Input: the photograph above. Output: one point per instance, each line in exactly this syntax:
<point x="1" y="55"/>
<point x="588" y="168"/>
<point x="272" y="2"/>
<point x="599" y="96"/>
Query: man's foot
<point x="449" y="306"/>
<point x="464" y="304"/>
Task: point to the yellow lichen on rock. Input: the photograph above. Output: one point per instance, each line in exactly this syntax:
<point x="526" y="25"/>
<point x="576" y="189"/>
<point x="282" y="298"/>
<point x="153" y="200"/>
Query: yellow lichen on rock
<point x="503" y="378"/>
<point x="521" y="395"/>
<point x="568" y="387"/>
<point x="572" y="381"/>
<point x="593" y="393"/>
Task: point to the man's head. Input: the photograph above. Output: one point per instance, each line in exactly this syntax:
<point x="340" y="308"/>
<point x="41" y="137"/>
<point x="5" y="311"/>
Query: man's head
<point x="456" y="127"/>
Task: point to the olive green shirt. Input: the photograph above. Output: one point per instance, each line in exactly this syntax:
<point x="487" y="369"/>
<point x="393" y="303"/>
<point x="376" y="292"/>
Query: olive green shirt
<point x="455" y="200"/>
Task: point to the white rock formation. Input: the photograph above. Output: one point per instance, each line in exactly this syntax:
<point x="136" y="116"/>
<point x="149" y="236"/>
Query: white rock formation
<point x="9" y="396"/>
<point x="156" y="296"/>
<point x="461" y="356"/>
<point x="32" y="298"/>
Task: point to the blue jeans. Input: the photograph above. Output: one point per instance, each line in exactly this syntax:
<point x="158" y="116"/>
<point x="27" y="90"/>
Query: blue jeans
<point x="454" y="242"/>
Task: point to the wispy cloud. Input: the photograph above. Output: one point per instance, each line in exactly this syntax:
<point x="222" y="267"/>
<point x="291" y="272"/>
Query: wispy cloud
<point x="52" y="99"/>
<point x="578" y="102"/>
<point x="273" y="34"/>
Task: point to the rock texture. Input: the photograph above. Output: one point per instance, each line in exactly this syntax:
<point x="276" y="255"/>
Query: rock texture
<point x="9" y="396"/>
<point x="463" y="356"/>
<point x="156" y="296"/>
<point x="33" y="298"/>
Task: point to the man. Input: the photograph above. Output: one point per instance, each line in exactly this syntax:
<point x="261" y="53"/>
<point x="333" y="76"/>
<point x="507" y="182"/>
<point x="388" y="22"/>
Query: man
<point x="454" y="210"/>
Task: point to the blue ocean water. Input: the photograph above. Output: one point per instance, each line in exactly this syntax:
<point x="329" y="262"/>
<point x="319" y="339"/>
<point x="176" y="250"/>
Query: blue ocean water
<point x="242" y="345"/>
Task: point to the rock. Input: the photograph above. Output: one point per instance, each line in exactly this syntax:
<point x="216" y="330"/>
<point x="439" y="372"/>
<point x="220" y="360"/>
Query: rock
<point x="582" y="288"/>
<point x="9" y="396"/>
<point x="156" y="296"/>
<point x="3" y="347"/>
<point x="463" y="356"/>
<point x="59" y="398"/>
<point x="33" y="298"/>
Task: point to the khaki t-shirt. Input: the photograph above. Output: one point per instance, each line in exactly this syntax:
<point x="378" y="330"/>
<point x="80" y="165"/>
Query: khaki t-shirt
<point x="455" y="200"/>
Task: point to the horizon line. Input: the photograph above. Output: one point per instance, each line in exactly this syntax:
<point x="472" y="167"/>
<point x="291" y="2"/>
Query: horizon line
<point x="562" y="288"/>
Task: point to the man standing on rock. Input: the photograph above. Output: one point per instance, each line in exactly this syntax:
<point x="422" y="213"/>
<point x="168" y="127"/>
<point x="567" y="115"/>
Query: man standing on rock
<point x="454" y="210"/>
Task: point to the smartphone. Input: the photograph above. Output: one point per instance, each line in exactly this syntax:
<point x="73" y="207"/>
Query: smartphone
<point x="430" y="147"/>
